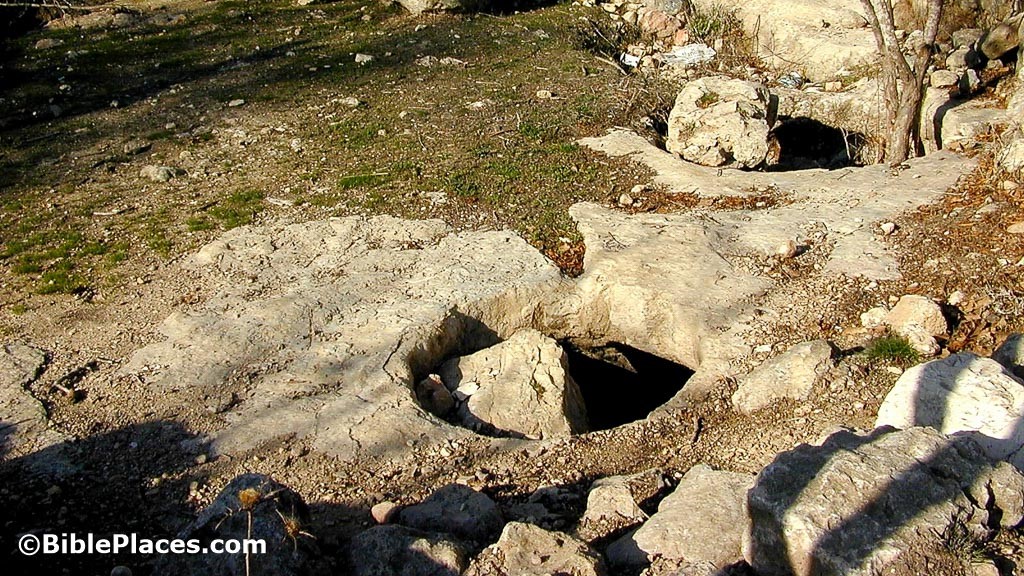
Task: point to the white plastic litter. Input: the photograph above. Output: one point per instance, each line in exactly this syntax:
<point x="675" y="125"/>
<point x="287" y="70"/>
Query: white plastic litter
<point x="689" y="55"/>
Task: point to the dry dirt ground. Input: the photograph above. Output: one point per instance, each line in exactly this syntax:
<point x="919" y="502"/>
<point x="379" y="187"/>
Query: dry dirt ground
<point x="89" y="248"/>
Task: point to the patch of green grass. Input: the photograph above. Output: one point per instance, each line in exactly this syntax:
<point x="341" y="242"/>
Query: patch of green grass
<point x="21" y="245"/>
<point x="371" y="180"/>
<point x="18" y="309"/>
<point x="958" y="539"/>
<point x="27" y="265"/>
<point x="892" y="349"/>
<point x="198" y="224"/>
<point x="61" y="279"/>
<point x="238" y="209"/>
<point x="375" y="201"/>
<point x="160" y="135"/>
<point x="94" y="249"/>
<point x="117" y="253"/>
<point x="463" y="184"/>
<point x="323" y="200"/>
<point x="155" y="236"/>
<point x="407" y="168"/>
<point x="356" y="135"/>
<point x="707" y="100"/>
<point x="712" y="22"/>
<point x="507" y="170"/>
<point x="530" y="130"/>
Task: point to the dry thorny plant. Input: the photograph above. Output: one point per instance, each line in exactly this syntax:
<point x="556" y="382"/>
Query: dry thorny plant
<point x="248" y="500"/>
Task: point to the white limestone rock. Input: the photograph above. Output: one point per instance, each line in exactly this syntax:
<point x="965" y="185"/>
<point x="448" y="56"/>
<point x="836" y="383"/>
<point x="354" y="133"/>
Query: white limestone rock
<point x="791" y="374"/>
<point x="964" y="394"/>
<point x="855" y="504"/>
<point x="719" y="121"/>
<point x="523" y="388"/>
<point x="702" y="521"/>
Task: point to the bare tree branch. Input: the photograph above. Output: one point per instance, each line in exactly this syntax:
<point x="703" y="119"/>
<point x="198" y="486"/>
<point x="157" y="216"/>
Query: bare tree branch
<point x="902" y="83"/>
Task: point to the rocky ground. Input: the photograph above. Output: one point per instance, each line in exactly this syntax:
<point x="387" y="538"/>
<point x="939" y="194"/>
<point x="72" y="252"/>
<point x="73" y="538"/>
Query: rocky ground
<point x="132" y="138"/>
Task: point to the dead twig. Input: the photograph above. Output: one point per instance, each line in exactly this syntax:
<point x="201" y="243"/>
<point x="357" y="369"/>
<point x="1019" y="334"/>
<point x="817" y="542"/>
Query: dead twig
<point x="698" y="427"/>
<point x="614" y="64"/>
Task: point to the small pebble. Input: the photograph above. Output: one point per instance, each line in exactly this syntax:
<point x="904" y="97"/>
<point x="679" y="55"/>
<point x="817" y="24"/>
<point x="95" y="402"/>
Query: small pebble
<point x="384" y="512"/>
<point x="955" y="298"/>
<point x="786" y="250"/>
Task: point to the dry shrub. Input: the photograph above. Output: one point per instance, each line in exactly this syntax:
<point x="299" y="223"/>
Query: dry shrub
<point x="716" y="22"/>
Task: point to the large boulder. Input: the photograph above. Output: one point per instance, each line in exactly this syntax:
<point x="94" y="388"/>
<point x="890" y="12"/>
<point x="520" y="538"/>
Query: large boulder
<point x="824" y="36"/>
<point x="681" y="285"/>
<point x="911" y="14"/>
<point x="251" y="506"/>
<point x="528" y="550"/>
<point x="400" y="551"/>
<point x="965" y="394"/>
<point x="520" y="387"/>
<point x="1011" y="156"/>
<point x="1002" y="38"/>
<point x="720" y="121"/>
<point x="964" y="124"/>
<point x="791" y="375"/>
<point x="855" y="504"/>
<point x="457" y="510"/>
<point x="702" y="521"/>
<point x="611" y="507"/>
<point x="917" y="310"/>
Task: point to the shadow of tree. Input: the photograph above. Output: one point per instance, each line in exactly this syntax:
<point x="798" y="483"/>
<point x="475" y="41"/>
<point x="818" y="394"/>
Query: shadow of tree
<point x="130" y="480"/>
<point x="136" y="480"/>
<point x="6" y="430"/>
<point x="897" y="500"/>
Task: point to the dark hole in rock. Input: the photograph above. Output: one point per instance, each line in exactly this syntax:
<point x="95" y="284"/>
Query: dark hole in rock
<point x="795" y="143"/>
<point x="801" y="143"/>
<point x="621" y="384"/>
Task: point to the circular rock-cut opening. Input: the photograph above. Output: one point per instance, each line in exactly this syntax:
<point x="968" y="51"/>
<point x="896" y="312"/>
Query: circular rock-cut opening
<point x="621" y="384"/>
<point x="532" y="386"/>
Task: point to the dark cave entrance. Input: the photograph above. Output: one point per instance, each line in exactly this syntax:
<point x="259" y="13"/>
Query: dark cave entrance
<point x="621" y="384"/>
<point x="801" y="143"/>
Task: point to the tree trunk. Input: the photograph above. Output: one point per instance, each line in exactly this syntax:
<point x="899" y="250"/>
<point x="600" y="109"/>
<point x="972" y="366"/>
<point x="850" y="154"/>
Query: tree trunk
<point x="902" y="84"/>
